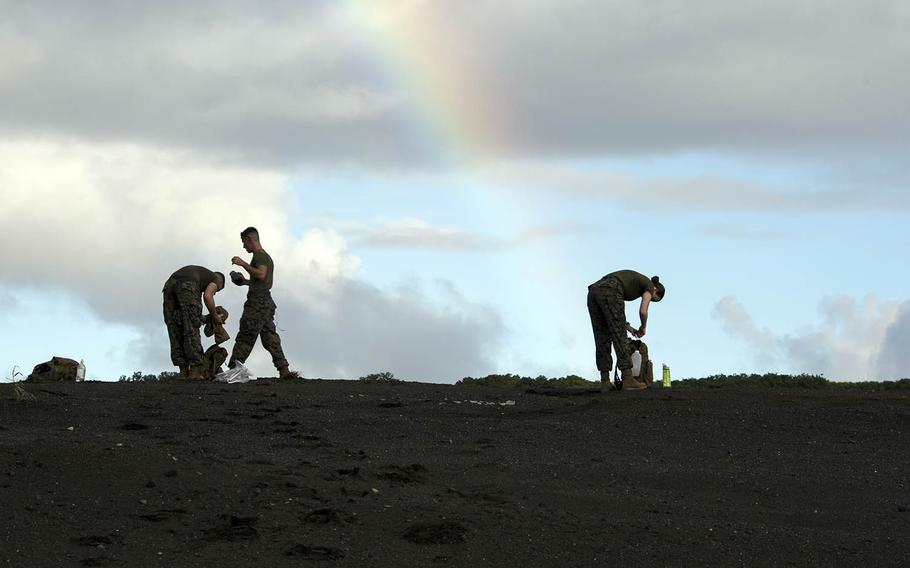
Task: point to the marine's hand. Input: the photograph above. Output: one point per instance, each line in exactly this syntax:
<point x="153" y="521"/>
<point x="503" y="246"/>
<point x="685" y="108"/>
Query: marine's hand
<point x="640" y="333"/>
<point x="237" y="260"/>
<point x="216" y="319"/>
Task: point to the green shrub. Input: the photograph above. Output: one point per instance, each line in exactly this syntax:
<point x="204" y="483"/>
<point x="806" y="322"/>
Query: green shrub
<point x="767" y="380"/>
<point x="138" y="376"/>
<point x="902" y="384"/>
<point x="510" y="380"/>
<point x="382" y="377"/>
<point x="802" y="381"/>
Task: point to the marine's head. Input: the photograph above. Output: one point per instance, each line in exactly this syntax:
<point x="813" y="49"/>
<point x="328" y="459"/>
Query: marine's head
<point x="659" y="290"/>
<point x="219" y="280"/>
<point x="250" y="239"/>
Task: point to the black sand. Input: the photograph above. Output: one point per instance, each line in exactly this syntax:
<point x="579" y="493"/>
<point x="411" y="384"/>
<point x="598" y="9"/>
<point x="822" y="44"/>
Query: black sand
<point x="322" y="473"/>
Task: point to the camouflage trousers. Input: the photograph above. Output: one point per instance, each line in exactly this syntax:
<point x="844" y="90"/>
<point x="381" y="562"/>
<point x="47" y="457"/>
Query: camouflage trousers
<point x="607" y="309"/>
<point x="183" y="317"/>
<point x="258" y="320"/>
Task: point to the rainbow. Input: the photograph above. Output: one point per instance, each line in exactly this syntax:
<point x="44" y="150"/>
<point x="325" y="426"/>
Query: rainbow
<point x="454" y="109"/>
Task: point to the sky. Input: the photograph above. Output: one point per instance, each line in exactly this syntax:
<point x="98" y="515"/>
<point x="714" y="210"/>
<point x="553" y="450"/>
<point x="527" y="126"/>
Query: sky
<point x="439" y="181"/>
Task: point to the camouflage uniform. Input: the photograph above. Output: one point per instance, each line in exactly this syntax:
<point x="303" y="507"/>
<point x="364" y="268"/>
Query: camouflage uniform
<point x="606" y="306"/>
<point x="183" y="317"/>
<point x="258" y="320"/>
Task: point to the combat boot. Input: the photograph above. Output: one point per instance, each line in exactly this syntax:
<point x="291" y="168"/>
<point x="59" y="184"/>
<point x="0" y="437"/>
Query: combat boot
<point x="630" y="382"/>
<point x="184" y="372"/>
<point x="197" y="373"/>
<point x="286" y="373"/>
<point x="606" y="385"/>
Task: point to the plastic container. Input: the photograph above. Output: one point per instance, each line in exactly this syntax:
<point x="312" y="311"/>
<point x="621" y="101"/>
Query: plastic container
<point x="80" y="371"/>
<point x="666" y="381"/>
<point x="636" y="364"/>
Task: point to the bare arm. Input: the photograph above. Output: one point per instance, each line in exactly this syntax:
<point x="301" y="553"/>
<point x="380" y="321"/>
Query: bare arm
<point x="257" y="272"/>
<point x="643" y="313"/>
<point x="208" y="297"/>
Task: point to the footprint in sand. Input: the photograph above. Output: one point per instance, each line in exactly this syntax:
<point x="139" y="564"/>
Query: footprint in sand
<point x="315" y="552"/>
<point x="436" y="533"/>
<point x="233" y="528"/>
<point x="403" y="475"/>
<point x="328" y="516"/>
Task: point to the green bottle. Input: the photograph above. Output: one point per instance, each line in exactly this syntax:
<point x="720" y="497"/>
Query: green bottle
<point x="666" y="382"/>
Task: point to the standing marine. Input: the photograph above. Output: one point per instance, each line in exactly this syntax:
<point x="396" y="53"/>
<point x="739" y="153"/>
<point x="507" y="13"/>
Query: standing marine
<point x="183" y="315"/>
<point x="258" y="319"/>
<point x="606" y="305"/>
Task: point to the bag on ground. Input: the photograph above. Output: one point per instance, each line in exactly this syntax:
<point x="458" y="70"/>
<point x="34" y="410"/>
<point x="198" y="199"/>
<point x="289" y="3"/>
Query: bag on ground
<point x="642" y="367"/>
<point x="57" y="370"/>
<point x="239" y="374"/>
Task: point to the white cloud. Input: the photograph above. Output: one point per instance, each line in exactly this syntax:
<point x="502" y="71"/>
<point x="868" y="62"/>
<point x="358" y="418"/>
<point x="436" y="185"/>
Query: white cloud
<point x="855" y="340"/>
<point x="737" y="321"/>
<point x="894" y="358"/>
<point x="111" y="220"/>
<point x="418" y="332"/>
<point x="107" y="224"/>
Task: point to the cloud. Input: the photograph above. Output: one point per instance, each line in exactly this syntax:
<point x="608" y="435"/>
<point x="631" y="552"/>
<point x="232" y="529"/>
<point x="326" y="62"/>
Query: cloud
<point x="416" y="233"/>
<point x="107" y="224"/>
<point x="894" y="359"/>
<point x="856" y="340"/>
<point x="392" y="84"/>
<point x="404" y="331"/>
<point x="110" y="220"/>
<point x="692" y="192"/>
<point x="760" y="76"/>
<point x="738" y="322"/>
<point x="270" y="83"/>
<point x="739" y="232"/>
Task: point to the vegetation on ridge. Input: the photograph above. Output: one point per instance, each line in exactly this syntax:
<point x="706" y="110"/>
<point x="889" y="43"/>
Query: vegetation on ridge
<point x="753" y="380"/>
<point x="766" y="380"/>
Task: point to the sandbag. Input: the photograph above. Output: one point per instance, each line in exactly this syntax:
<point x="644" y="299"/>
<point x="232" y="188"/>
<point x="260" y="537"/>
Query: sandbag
<point x="211" y="328"/>
<point x="646" y="369"/>
<point x="212" y="360"/>
<point x="57" y="370"/>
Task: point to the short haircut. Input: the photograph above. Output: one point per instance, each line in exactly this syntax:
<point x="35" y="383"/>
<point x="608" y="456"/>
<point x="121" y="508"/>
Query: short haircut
<point x="221" y="276"/>
<point x="251" y="232"/>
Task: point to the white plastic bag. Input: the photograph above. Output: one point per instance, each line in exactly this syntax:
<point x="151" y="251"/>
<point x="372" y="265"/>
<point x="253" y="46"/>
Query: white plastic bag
<point x="239" y="374"/>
